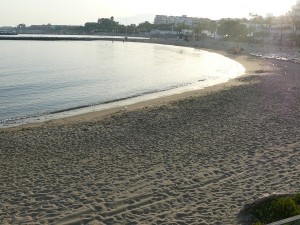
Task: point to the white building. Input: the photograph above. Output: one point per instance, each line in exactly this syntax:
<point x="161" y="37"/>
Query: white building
<point x="163" y="32"/>
<point x="189" y="21"/>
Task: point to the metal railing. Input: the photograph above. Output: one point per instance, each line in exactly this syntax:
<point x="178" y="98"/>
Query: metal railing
<point x="295" y="220"/>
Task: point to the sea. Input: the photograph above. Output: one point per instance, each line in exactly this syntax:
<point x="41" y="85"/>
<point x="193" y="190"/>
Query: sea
<point x="42" y="80"/>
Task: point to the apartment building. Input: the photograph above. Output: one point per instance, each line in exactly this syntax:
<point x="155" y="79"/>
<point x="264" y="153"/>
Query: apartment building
<point x="189" y="21"/>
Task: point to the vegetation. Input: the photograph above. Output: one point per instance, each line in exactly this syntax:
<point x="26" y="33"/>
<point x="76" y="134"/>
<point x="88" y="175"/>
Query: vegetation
<point x="232" y="29"/>
<point x="256" y="29"/>
<point x="276" y="209"/>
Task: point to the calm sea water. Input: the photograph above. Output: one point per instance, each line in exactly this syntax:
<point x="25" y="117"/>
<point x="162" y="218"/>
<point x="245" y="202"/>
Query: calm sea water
<point x="47" y="77"/>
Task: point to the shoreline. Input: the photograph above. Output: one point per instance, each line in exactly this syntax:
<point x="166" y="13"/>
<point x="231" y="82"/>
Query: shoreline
<point x="206" y="45"/>
<point x="129" y="106"/>
<point x="109" y="107"/>
<point x="197" y="158"/>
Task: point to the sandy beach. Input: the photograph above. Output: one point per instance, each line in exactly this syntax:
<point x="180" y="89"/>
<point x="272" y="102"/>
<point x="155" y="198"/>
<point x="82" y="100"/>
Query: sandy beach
<point x="195" y="158"/>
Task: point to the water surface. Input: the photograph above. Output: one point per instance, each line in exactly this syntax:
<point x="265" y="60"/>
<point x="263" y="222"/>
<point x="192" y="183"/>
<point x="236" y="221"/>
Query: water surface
<point x="39" y="78"/>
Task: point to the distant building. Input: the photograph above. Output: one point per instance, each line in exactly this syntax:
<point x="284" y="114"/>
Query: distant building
<point x="281" y="30"/>
<point x="7" y="30"/>
<point x="189" y="21"/>
<point x="163" y="32"/>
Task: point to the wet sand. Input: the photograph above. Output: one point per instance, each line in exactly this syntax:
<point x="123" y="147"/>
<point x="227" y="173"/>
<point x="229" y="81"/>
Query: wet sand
<point x="194" y="158"/>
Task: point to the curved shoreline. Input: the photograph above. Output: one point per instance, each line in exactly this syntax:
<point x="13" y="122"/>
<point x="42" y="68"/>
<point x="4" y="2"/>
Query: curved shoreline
<point x="196" y="158"/>
<point x="75" y="38"/>
<point x="112" y="106"/>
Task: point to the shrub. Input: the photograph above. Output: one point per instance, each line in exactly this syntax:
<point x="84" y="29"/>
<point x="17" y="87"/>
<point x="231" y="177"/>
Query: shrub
<point x="296" y="199"/>
<point x="277" y="209"/>
<point x="258" y="223"/>
<point x="283" y="208"/>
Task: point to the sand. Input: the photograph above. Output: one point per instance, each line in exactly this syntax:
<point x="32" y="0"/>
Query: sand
<point x="195" y="158"/>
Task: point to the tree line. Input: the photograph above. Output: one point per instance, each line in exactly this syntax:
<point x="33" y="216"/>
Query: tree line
<point x="229" y="29"/>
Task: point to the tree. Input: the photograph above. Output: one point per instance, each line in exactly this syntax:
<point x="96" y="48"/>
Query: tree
<point x="198" y="30"/>
<point x="145" y="26"/>
<point x="252" y="26"/>
<point x="212" y="27"/>
<point x="282" y="21"/>
<point x="268" y="22"/>
<point x="121" y="29"/>
<point x="257" y="25"/>
<point x="296" y="24"/>
<point x="107" y="25"/>
<point x="180" y="27"/>
<point x="21" y="27"/>
<point x="232" y="29"/>
<point x="131" y="29"/>
<point x="91" y="27"/>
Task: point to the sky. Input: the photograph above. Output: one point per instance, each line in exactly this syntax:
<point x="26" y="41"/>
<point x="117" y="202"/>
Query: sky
<point x="78" y="12"/>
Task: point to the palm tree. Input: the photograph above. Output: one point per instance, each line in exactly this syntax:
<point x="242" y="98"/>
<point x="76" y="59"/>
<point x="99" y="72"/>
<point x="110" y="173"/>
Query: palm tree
<point x="285" y="22"/>
<point x="296" y="23"/>
<point x="256" y="21"/>
<point x="269" y="23"/>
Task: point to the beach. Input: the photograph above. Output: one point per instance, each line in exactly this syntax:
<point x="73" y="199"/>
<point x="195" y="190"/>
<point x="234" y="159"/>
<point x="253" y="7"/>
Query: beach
<point x="194" y="158"/>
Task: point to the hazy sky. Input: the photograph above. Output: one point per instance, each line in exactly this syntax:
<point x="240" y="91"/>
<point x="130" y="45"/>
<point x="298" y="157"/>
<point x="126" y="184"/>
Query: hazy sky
<point x="77" y="12"/>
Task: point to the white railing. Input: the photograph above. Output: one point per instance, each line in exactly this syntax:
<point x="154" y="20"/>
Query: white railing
<point x="294" y="220"/>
